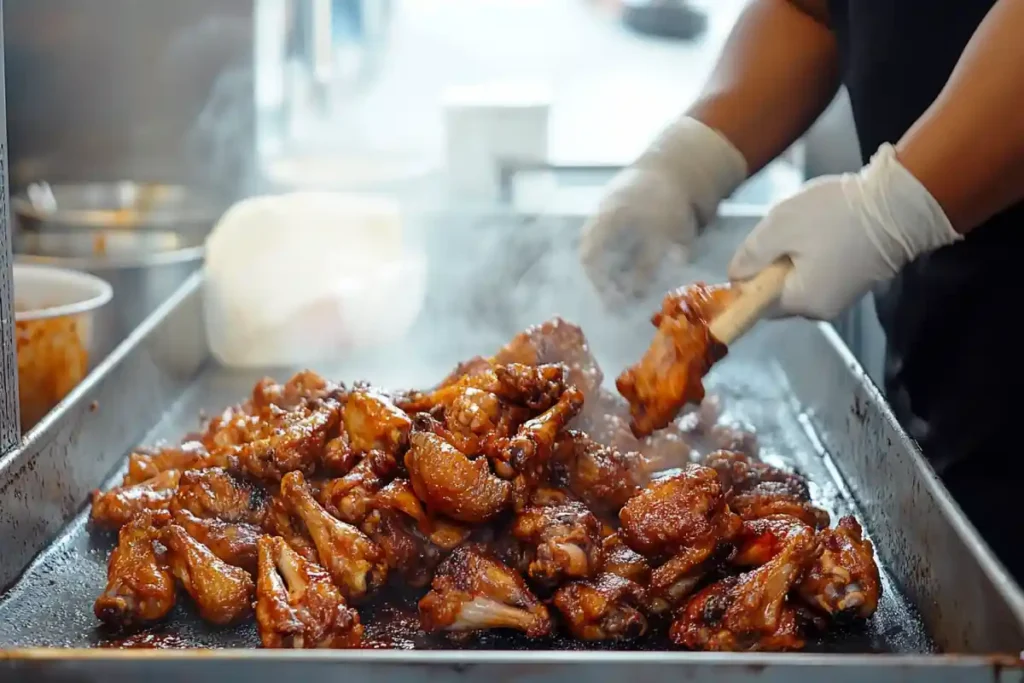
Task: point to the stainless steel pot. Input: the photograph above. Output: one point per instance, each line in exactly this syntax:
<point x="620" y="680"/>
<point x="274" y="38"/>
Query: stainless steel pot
<point x="142" y="239"/>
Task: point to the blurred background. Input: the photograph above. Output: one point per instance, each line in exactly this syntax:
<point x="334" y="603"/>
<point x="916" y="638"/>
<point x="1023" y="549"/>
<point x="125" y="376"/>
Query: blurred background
<point x="527" y="106"/>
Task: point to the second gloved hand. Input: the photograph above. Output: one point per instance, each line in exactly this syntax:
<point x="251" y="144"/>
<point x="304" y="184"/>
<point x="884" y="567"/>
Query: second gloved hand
<point x="844" y="234"/>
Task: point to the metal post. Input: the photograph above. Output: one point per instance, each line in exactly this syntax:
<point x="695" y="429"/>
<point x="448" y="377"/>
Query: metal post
<point x="10" y="430"/>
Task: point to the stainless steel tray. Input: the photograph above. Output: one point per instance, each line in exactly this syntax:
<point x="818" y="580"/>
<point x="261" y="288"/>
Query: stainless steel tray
<point x="794" y="381"/>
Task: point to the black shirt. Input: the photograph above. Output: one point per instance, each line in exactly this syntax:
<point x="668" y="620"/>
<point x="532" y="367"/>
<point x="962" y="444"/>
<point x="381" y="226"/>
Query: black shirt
<point x="953" y="365"/>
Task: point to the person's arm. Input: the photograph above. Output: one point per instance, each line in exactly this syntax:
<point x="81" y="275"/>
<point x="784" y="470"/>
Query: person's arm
<point x="968" y="147"/>
<point x="777" y="73"/>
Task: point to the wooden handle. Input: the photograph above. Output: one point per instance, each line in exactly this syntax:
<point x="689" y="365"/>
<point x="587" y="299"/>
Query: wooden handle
<point x="756" y="296"/>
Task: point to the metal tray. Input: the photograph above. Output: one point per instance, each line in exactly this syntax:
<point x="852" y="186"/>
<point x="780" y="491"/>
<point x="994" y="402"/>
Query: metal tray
<point x="794" y="381"/>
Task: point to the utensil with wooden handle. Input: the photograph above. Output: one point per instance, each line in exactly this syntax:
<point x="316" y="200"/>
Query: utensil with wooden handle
<point x="755" y="297"/>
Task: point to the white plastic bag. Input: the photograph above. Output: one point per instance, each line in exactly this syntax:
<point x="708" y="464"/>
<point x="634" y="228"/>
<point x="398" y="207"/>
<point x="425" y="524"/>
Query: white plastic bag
<point x="297" y="278"/>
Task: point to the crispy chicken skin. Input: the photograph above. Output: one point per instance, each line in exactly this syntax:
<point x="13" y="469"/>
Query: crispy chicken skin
<point x="234" y="543"/>
<point x="297" y="606"/>
<point x="600" y="476"/>
<point x="348" y="498"/>
<point x="146" y="464"/>
<point x="473" y="591"/>
<point x="140" y="588"/>
<point x="749" y="612"/>
<point x="608" y="607"/>
<point x="451" y="484"/>
<point x="355" y="563"/>
<point x="671" y="371"/>
<point x="223" y="594"/>
<point x="373" y="422"/>
<point x="844" y="580"/>
<point x="115" y="508"/>
<point x="676" y="513"/>
<point x="565" y="539"/>
<point x="216" y="493"/>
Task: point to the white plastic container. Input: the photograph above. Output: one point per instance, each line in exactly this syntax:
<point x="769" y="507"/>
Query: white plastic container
<point x="298" y="278"/>
<point x="54" y="315"/>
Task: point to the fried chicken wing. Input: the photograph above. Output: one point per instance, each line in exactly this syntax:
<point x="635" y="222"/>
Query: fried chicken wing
<point x="288" y="441"/>
<point x="678" y="512"/>
<point x="297" y="606"/>
<point x="356" y="563"/>
<point x="339" y="457"/>
<point x="565" y="539"/>
<point x="671" y="371"/>
<point x="216" y="493"/>
<point x="348" y="498"/>
<point x="451" y="484"/>
<point x="280" y="521"/>
<point x="749" y="612"/>
<point x="607" y="607"/>
<point x="140" y="588"/>
<point x="146" y="464"/>
<point x="761" y="539"/>
<point x="534" y="387"/>
<point x="844" y="580"/>
<point x="776" y="498"/>
<point x="600" y="476"/>
<point x="373" y="422"/>
<point x="303" y="387"/>
<point x="555" y="342"/>
<point x="676" y="579"/>
<point x="621" y="560"/>
<point x="223" y="594"/>
<point x="115" y="508"/>
<point x="234" y="543"/>
<point x="473" y="591"/>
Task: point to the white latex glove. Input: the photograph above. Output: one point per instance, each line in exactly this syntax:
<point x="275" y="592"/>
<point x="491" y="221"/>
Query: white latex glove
<point x="844" y="234"/>
<point x="656" y="207"/>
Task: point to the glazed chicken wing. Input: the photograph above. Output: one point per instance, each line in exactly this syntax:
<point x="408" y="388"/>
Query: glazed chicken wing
<point x="234" y="543"/>
<point x="140" y="588"/>
<point x="450" y="483"/>
<point x="115" y="508"/>
<point x="534" y="387"/>
<point x="373" y="422"/>
<point x="761" y="539"/>
<point x="671" y="371"/>
<point x="146" y="464"/>
<point x="287" y="441"/>
<point x="302" y="388"/>
<point x="600" y="476"/>
<point x="223" y="594"/>
<point x="844" y="580"/>
<point x="348" y="498"/>
<point x="297" y="606"/>
<point x="280" y="521"/>
<point x="556" y="342"/>
<point x="339" y="457"/>
<point x="621" y="560"/>
<point x="678" y="512"/>
<point x="356" y="563"/>
<point x="473" y="591"/>
<point x="605" y="608"/>
<point x="214" y="492"/>
<point x="565" y="540"/>
<point x="749" y="612"/>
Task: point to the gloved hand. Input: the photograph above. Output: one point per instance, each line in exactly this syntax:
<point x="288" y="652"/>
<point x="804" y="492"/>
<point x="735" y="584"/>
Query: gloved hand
<point x="656" y="207"/>
<point x="844" y="234"/>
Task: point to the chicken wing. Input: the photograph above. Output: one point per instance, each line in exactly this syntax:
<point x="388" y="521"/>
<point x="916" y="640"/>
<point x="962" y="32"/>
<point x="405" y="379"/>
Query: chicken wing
<point x="297" y="606"/>
<point x="216" y="493"/>
<point x="605" y="608"/>
<point x="749" y="612"/>
<point x="671" y="371"/>
<point x="287" y="441"/>
<point x="844" y="580"/>
<point x="600" y="476"/>
<point x="565" y="540"/>
<point x="676" y="579"/>
<point x="302" y="388"/>
<point x="356" y="563"/>
<point x="621" y="560"/>
<point x="678" y="512"/>
<point x="373" y="422"/>
<point x="223" y="594"/>
<point x="450" y="483"/>
<point x="473" y="591"/>
<point x="348" y="498"/>
<point x="115" y="508"/>
<point x="234" y="543"/>
<point x="280" y="521"/>
<point x="761" y="539"/>
<point x="140" y="588"/>
<point x="555" y="342"/>
<point x="339" y="457"/>
<point x="145" y="463"/>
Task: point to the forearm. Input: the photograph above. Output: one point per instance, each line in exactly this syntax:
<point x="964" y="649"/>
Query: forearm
<point x="968" y="147"/>
<point x="777" y="73"/>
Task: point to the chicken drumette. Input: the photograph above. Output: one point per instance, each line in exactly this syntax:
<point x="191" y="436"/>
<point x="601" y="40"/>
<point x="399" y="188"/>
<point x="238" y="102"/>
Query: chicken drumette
<point x="356" y="563"/>
<point x="671" y="371"/>
<point x="223" y="594"/>
<point x="473" y="591"/>
<point x="565" y="541"/>
<point x="750" y="611"/>
<point x="349" y="497"/>
<point x="140" y="588"/>
<point x="843" y="581"/>
<point x="297" y="606"/>
<point x="285" y="441"/>
<point x="608" y="607"/>
<point x="602" y="477"/>
<point x="145" y="464"/>
<point x="234" y="543"/>
<point x="216" y="493"/>
<point x="115" y="508"/>
<point x="373" y="423"/>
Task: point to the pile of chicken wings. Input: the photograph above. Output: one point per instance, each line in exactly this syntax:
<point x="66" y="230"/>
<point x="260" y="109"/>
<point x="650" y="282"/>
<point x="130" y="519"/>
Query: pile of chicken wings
<point x="513" y="495"/>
